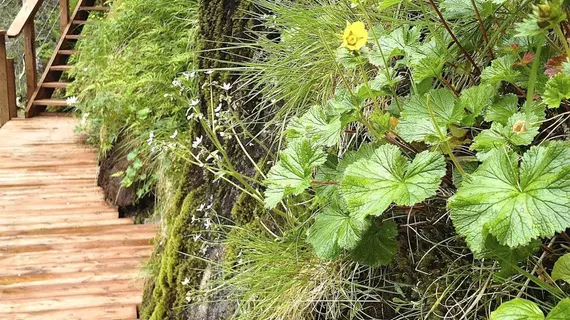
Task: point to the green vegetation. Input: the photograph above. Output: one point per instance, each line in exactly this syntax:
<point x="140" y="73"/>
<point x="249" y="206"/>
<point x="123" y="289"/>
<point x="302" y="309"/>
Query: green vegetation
<point x="354" y="159"/>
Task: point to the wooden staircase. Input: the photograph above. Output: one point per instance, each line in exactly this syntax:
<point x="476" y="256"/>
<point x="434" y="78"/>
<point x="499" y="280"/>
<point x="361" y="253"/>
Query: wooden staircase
<point x="58" y="64"/>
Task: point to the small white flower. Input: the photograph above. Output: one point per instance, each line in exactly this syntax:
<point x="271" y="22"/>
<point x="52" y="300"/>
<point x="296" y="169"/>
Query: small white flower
<point x="209" y="71"/>
<point x="85" y="69"/>
<point x="222" y="134"/>
<point x="201" y="208"/>
<point x="150" y="138"/>
<point x="188" y="75"/>
<point x="174" y="134"/>
<point x="188" y="298"/>
<point x="273" y="101"/>
<point x="207" y="223"/>
<point x="194" y="102"/>
<point x="71" y="101"/>
<point x="197" y="237"/>
<point x="188" y="117"/>
<point x="226" y="86"/>
<point x="194" y="219"/>
<point x="197" y="142"/>
<point x="219" y="108"/>
<point x="185" y="281"/>
<point x="166" y="95"/>
<point x="176" y="83"/>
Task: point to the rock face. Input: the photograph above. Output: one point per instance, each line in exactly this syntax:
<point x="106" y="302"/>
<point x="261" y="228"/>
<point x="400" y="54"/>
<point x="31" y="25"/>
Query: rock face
<point x="124" y="198"/>
<point x="115" y="161"/>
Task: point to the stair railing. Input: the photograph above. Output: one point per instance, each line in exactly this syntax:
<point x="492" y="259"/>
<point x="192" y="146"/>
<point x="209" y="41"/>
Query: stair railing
<point x="23" y="23"/>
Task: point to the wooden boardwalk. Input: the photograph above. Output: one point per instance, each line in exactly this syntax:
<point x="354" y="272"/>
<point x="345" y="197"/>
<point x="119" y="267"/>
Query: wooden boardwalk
<point x="64" y="253"/>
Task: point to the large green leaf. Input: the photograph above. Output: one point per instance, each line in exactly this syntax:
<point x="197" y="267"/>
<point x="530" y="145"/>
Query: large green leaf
<point x="476" y="99"/>
<point x="316" y="126"/>
<point x="442" y="103"/>
<point x="515" y="203"/>
<point x="501" y="69"/>
<point x="293" y="172"/>
<point x="333" y="230"/>
<point x="518" y="309"/>
<point x="561" y="269"/>
<point x="502" y="110"/>
<point x="371" y="184"/>
<point x="561" y="311"/>
<point x="378" y="245"/>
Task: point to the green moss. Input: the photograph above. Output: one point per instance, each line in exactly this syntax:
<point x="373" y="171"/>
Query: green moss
<point x="168" y="294"/>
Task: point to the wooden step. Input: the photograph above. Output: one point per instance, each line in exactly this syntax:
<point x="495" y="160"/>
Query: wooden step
<point x="76" y="255"/>
<point x="60" y="68"/>
<point x="57" y="85"/>
<point x="57" y="290"/>
<point x="74" y="36"/>
<point x="85" y="8"/>
<point x="134" y="240"/>
<point x="82" y="266"/>
<point x="113" y="312"/>
<point x="69" y="302"/>
<point x="50" y="102"/>
<point x="56" y="227"/>
<point x="67" y="52"/>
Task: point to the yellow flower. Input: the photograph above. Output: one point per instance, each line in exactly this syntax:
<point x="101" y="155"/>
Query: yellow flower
<point x="355" y="36"/>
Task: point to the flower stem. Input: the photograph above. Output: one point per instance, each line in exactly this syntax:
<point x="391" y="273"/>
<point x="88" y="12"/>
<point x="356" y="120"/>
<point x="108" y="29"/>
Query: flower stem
<point x="446" y="146"/>
<point x="534" y="72"/>
<point x="560" y="35"/>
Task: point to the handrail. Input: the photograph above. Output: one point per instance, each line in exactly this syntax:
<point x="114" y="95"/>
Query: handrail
<point x="23" y="23"/>
<point x="25" y="15"/>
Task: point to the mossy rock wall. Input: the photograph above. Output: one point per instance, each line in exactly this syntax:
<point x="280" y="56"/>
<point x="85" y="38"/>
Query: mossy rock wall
<point x="165" y="295"/>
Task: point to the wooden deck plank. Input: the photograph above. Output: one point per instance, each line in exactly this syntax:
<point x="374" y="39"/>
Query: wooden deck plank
<point x="64" y="253"/>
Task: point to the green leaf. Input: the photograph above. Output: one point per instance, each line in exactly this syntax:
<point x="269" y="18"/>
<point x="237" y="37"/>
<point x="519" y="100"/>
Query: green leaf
<point x="398" y="41"/>
<point x="441" y="101"/>
<point x="428" y="67"/>
<point x="501" y="69"/>
<point x="561" y="311"/>
<point x="333" y="230"/>
<point x="561" y="269"/>
<point x="528" y="28"/>
<point x="342" y="103"/>
<point x="501" y="110"/>
<point x="327" y="172"/>
<point x="315" y="126"/>
<point x="420" y="130"/>
<point x="557" y="89"/>
<point x="515" y="203"/>
<point x="508" y="257"/>
<point x="477" y="98"/>
<point x="293" y="172"/>
<point x="371" y="184"/>
<point x="517" y="309"/>
<point x="463" y="9"/>
<point x="520" y="130"/>
<point x="350" y="59"/>
<point x="378" y="245"/>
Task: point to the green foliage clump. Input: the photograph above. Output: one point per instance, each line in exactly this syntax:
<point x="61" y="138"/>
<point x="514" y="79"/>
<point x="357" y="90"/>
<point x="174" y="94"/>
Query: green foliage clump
<point x="128" y="77"/>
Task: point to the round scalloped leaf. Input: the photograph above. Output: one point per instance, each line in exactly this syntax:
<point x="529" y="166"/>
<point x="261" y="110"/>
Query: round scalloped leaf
<point x="515" y="203"/>
<point x="561" y="269"/>
<point x="371" y="184"/>
<point x="517" y="309"/>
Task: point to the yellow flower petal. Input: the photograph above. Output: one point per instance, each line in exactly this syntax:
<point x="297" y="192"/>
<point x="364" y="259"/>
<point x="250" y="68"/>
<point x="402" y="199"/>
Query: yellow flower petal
<point x="355" y="36"/>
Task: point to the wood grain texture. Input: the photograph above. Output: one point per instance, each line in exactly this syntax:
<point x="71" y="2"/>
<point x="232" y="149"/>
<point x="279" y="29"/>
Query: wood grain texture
<point x="4" y="87"/>
<point x="26" y="14"/>
<point x="64" y="253"/>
